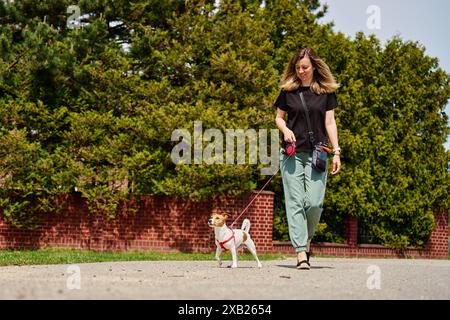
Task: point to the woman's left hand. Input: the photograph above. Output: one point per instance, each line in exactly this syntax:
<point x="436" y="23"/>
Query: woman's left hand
<point x="336" y="164"/>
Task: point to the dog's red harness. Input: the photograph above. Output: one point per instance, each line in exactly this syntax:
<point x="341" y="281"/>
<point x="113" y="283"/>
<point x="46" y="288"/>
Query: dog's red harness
<point x="228" y="240"/>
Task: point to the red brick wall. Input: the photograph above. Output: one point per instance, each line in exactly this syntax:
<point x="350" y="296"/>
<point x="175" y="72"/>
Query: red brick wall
<point x="436" y="248"/>
<point x="162" y="223"/>
<point x="167" y="224"/>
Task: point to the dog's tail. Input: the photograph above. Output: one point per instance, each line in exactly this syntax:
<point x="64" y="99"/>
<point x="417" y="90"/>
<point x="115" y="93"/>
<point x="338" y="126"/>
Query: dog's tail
<point x="246" y="225"/>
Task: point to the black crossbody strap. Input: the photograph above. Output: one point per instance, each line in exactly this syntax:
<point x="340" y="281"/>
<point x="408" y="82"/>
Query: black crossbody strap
<point x="308" y="122"/>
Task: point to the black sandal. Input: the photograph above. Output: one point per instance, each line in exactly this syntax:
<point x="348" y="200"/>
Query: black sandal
<point x="303" y="265"/>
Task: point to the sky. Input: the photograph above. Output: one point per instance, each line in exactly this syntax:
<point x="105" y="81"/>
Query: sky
<point x="424" y="21"/>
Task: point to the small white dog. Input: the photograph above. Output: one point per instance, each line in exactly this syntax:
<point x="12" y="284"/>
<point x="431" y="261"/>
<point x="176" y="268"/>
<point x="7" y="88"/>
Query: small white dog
<point x="231" y="239"/>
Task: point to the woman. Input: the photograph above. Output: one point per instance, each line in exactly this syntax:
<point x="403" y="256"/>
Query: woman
<point x="304" y="187"/>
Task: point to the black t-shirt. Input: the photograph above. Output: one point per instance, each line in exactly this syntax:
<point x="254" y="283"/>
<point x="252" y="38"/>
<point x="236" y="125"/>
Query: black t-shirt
<point x="318" y="105"/>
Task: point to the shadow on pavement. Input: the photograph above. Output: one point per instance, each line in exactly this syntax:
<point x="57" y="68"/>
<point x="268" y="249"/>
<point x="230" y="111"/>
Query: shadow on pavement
<point x="312" y="267"/>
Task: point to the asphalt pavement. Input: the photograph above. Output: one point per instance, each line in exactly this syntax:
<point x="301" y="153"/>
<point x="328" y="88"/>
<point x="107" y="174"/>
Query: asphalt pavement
<point x="328" y="278"/>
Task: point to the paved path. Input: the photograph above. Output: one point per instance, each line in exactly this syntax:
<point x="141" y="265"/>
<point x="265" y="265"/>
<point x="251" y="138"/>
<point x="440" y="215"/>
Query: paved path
<point x="278" y="279"/>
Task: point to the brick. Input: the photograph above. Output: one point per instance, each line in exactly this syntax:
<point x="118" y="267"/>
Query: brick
<point x="169" y="225"/>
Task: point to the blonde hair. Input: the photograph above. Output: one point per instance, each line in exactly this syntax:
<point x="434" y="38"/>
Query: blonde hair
<point x="323" y="80"/>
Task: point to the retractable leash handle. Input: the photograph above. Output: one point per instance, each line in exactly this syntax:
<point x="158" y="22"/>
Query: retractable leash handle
<point x="291" y="149"/>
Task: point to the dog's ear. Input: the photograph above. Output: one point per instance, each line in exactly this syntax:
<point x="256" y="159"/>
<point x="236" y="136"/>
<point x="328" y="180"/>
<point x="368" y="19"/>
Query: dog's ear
<point x="226" y="216"/>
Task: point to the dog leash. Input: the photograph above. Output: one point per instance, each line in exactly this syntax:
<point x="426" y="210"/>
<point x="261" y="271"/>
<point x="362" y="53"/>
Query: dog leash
<point x="290" y="151"/>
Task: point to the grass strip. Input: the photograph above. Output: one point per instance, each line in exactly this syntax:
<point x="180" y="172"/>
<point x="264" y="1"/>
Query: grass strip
<point x="71" y="256"/>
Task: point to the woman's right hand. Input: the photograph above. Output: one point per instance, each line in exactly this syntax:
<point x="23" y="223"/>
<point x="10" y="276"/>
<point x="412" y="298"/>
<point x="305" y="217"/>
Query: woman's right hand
<point x="289" y="136"/>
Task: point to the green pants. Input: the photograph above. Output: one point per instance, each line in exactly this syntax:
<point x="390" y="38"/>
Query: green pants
<point x="304" y="191"/>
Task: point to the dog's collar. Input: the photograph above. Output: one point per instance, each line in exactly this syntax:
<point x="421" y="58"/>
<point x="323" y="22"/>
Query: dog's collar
<point x="228" y="240"/>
